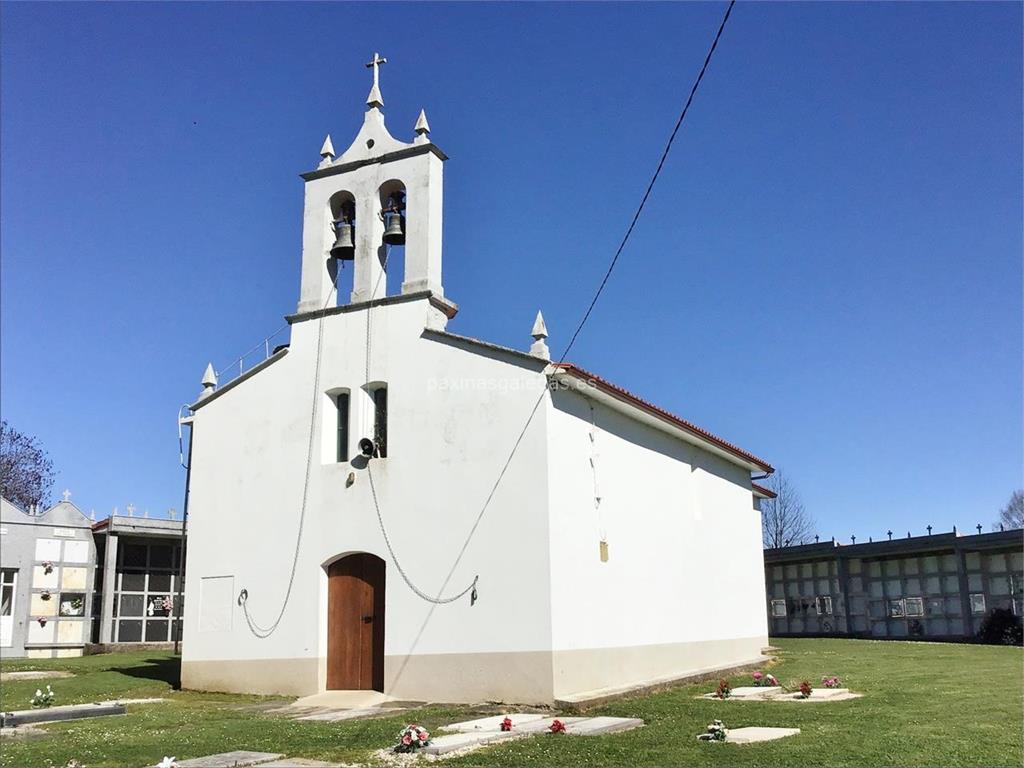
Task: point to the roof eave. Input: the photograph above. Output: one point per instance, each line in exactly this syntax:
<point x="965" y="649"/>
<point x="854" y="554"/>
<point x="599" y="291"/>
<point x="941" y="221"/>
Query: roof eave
<point x="593" y="386"/>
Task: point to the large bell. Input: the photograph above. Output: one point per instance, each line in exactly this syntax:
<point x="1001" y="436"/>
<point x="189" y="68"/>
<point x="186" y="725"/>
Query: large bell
<point x="394" y="232"/>
<point x="343" y="247"/>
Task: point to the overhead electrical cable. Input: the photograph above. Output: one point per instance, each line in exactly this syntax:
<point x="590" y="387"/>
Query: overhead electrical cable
<point x="600" y="288"/>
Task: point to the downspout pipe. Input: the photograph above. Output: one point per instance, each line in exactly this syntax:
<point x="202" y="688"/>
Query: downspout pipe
<point x="179" y="599"/>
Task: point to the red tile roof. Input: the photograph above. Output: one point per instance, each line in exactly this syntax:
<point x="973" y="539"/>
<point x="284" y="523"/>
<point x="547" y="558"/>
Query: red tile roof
<point x="766" y="491"/>
<point x="629" y="397"/>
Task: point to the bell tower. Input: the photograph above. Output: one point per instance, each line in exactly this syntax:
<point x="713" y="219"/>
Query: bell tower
<point x="378" y="194"/>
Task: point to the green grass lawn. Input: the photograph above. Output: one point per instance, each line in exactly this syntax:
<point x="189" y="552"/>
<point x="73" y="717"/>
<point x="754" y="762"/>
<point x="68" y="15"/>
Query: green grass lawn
<point x="924" y="704"/>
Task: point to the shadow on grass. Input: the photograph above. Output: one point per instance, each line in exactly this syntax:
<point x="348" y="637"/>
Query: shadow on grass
<point x="167" y="670"/>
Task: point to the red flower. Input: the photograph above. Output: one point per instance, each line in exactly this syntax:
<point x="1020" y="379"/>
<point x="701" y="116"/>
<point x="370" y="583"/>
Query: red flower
<point x="557" y="726"/>
<point x="407" y="739"/>
<point x="506" y="724"/>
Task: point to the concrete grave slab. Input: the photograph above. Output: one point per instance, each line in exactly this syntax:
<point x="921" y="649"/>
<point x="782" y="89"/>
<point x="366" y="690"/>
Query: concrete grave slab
<point x="493" y="723"/>
<point x="595" y="726"/>
<point x="134" y="701"/>
<point x="749" y="693"/>
<point x="755" y="692"/>
<point x="756" y="734"/>
<point x="236" y="759"/>
<point x="54" y="714"/>
<point x="451" y="742"/>
<point x="298" y="762"/>
<point x="34" y="675"/>
<point x="544" y="724"/>
<point x="824" y="694"/>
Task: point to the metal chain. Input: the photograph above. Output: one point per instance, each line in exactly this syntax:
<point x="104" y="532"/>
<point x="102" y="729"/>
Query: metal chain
<point x="438" y="600"/>
<point x="243" y="596"/>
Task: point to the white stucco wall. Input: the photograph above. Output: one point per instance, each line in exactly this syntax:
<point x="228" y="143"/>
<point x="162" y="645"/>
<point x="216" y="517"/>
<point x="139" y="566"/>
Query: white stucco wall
<point x="445" y="448"/>
<point x="684" y="553"/>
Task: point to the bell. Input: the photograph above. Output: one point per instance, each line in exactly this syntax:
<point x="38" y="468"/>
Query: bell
<point x="394" y="233"/>
<point x="343" y="247"/>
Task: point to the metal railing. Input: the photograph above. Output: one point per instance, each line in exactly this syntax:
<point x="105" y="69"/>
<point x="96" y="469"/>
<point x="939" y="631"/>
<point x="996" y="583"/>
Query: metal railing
<point x="238" y="366"/>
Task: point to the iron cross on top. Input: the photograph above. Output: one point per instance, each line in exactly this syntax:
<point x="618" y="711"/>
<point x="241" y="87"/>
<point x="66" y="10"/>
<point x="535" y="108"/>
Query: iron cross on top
<point x="375" y="64"/>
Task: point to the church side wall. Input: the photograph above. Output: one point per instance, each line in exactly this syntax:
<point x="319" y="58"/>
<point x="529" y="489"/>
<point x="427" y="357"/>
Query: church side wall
<point x="453" y="416"/>
<point x="682" y="590"/>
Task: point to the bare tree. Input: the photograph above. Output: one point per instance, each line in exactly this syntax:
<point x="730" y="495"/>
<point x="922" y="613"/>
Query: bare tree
<point x="784" y="520"/>
<point x="26" y="472"/>
<point x="1012" y="515"/>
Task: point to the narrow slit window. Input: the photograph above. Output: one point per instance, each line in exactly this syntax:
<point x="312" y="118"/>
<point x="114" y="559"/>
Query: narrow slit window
<point x="342" y="402"/>
<point x="380" y="421"/>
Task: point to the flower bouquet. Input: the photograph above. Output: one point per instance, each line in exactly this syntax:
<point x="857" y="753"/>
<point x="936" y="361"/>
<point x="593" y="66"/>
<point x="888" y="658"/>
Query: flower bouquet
<point x="831" y="682"/>
<point x="43" y="698"/>
<point x="506" y="724"/>
<point x="805" y="690"/>
<point x="557" y="726"/>
<point x="724" y="690"/>
<point x="761" y="680"/>
<point x="715" y="732"/>
<point x="411" y="738"/>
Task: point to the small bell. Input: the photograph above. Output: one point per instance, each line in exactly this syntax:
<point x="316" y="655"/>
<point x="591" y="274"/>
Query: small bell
<point x="394" y="232"/>
<point x="343" y="247"/>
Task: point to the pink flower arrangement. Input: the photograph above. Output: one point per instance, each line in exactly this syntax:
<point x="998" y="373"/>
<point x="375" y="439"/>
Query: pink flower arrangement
<point x="411" y="738"/>
<point x="42" y="621"/>
<point x="831" y="682"/>
<point x="557" y="726"/>
<point x="506" y="724"/>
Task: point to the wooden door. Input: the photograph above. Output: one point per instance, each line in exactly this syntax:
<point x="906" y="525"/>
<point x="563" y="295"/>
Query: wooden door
<point x="355" y="623"/>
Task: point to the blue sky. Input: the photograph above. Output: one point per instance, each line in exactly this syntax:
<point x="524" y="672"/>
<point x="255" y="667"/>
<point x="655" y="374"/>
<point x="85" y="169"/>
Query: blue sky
<point x="828" y="274"/>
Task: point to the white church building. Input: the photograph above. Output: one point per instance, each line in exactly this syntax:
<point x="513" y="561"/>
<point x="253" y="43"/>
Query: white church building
<point x="342" y="491"/>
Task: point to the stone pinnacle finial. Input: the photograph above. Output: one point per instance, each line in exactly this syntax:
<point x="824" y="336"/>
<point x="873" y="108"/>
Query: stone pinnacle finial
<point x="375" y="100"/>
<point x="422" y="129"/>
<point x="327" y="150"/>
<point x="539" y="348"/>
<point x="209" y="381"/>
<point x="422" y="126"/>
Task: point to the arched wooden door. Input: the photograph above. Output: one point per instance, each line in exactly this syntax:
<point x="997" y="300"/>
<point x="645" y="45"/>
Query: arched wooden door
<point x="355" y="623"/>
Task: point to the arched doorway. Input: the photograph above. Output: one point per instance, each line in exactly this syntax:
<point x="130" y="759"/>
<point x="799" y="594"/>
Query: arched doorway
<point x="355" y="623"/>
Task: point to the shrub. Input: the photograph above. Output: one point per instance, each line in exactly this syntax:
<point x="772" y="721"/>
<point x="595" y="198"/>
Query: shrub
<point x="1001" y="627"/>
